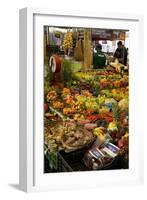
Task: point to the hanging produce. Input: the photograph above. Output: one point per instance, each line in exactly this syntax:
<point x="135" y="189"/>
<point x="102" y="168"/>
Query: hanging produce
<point x="68" y="41"/>
<point x="79" y="51"/>
<point x="87" y="49"/>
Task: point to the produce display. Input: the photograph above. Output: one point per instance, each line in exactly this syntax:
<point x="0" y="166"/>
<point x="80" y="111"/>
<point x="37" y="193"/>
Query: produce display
<point x="76" y="116"/>
<point x="86" y="107"/>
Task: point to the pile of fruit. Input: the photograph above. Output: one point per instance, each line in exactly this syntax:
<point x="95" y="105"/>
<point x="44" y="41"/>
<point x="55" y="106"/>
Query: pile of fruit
<point x="117" y="93"/>
<point x="102" y="111"/>
<point x="103" y="80"/>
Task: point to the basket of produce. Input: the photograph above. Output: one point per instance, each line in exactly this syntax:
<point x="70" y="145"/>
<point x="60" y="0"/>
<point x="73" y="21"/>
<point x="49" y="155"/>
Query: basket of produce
<point x="67" y="136"/>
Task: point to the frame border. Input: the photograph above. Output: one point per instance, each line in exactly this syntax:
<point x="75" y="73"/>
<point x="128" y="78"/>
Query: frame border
<point x="26" y="82"/>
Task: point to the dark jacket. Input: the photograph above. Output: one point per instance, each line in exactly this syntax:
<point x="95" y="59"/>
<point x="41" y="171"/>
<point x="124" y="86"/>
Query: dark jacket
<point x="121" y="54"/>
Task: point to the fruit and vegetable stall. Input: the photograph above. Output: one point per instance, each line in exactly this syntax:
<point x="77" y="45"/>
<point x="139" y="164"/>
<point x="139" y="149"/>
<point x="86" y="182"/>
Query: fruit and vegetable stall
<point x="86" y="114"/>
<point x="85" y="111"/>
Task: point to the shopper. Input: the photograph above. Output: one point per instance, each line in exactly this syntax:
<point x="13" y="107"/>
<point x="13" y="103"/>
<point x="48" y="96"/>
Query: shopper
<point x="99" y="58"/>
<point x="121" y="53"/>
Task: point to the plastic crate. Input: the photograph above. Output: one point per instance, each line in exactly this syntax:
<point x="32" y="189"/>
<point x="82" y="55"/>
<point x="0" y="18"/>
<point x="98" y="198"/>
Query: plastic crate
<point x="63" y="166"/>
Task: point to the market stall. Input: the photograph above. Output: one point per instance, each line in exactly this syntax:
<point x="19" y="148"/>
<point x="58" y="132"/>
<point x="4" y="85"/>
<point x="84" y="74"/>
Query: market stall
<point x="86" y="124"/>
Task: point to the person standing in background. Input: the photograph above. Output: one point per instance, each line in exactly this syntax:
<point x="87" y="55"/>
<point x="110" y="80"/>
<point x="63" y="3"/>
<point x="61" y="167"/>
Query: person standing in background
<point x="121" y="53"/>
<point x="99" y="58"/>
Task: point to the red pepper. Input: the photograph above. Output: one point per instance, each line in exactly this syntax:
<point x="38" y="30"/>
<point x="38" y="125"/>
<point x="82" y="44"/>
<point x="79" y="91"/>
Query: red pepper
<point x="109" y="119"/>
<point x="93" y="118"/>
<point x="108" y="114"/>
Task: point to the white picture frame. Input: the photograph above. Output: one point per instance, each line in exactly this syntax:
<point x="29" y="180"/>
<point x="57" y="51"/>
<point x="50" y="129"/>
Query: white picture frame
<point x="31" y="88"/>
